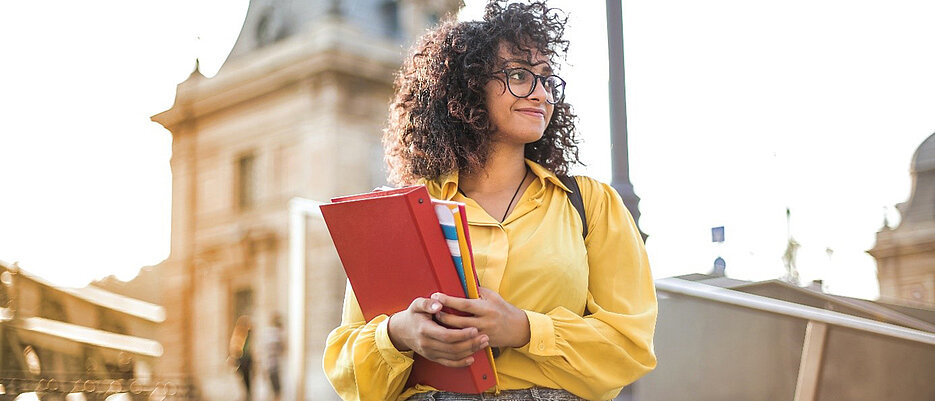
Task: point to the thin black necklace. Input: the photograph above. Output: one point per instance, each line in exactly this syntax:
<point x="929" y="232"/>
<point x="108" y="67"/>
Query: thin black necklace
<point x="525" y="174"/>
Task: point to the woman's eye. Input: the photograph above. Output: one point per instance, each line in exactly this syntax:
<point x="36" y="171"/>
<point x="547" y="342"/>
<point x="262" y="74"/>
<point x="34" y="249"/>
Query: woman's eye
<point x="551" y="83"/>
<point x="518" y="75"/>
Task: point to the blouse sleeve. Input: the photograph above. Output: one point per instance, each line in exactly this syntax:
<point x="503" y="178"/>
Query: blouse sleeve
<point x="596" y="355"/>
<point x="360" y="361"/>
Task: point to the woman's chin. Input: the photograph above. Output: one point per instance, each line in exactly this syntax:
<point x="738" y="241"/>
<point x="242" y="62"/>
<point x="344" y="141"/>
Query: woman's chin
<point x="534" y="136"/>
<point x="519" y="136"/>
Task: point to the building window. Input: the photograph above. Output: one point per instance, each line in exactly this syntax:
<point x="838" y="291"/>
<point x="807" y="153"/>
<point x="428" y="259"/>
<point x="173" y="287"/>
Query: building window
<point x="246" y="182"/>
<point x="390" y="16"/>
<point x="107" y="320"/>
<point x="242" y="303"/>
<point x="50" y="306"/>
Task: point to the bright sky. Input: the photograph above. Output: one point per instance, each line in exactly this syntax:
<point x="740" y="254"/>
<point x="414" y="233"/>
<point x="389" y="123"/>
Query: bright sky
<point x="737" y="110"/>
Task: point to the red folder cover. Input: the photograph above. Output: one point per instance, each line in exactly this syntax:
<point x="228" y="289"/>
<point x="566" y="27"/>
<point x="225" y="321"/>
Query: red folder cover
<point x="393" y="251"/>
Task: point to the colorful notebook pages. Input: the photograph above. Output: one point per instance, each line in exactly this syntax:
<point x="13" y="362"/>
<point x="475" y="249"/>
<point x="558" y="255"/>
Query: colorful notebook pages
<point x="468" y="259"/>
<point x="448" y="222"/>
<point x="469" y="279"/>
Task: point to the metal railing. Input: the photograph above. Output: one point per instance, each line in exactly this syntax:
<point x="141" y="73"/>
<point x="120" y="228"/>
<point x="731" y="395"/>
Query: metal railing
<point x="786" y="308"/>
<point x="98" y="389"/>
<point x="816" y="331"/>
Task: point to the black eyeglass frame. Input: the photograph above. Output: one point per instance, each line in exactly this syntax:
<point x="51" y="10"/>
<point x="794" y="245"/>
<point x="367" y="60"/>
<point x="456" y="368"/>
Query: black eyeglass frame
<point x="537" y="78"/>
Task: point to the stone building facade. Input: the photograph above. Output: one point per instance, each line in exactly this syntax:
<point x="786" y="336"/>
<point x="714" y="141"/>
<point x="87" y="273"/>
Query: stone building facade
<point x="296" y="111"/>
<point x="71" y="336"/>
<point x="906" y="254"/>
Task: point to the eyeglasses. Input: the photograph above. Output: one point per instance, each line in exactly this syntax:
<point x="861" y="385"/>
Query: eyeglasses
<point x="522" y="82"/>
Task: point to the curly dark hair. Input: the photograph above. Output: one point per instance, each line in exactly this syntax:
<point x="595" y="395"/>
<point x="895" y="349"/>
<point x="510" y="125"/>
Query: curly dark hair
<point x="438" y="120"/>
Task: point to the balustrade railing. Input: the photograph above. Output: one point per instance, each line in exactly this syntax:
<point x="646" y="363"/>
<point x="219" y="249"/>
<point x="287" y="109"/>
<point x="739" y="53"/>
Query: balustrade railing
<point x="50" y="389"/>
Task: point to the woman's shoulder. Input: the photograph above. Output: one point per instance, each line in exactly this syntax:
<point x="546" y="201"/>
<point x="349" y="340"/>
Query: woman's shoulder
<point x="593" y="188"/>
<point x="605" y="208"/>
<point x="586" y="180"/>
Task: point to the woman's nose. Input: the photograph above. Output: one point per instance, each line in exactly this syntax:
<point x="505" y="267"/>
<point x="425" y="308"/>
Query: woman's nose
<point x="539" y="92"/>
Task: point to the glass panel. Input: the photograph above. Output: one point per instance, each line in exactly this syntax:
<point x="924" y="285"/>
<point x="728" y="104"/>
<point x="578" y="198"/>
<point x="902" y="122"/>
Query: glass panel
<point x="246" y="182"/>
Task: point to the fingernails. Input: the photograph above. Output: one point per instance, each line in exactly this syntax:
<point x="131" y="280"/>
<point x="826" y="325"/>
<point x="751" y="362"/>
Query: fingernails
<point x="484" y="339"/>
<point x="435" y="306"/>
<point x="470" y="361"/>
<point x="436" y="296"/>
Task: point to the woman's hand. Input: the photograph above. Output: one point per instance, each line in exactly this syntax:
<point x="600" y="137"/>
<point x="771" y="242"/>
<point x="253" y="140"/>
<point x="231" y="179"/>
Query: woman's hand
<point x="413" y="329"/>
<point x="505" y="324"/>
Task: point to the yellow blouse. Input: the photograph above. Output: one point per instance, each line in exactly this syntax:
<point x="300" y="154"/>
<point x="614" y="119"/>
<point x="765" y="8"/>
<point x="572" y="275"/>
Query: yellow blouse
<point x="537" y="261"/>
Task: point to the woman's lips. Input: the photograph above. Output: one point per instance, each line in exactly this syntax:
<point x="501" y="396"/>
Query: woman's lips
<point x="532" y="112"/>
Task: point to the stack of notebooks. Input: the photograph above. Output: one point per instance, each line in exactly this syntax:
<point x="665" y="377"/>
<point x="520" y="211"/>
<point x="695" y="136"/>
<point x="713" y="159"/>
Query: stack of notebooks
<point x="399" y="245"/>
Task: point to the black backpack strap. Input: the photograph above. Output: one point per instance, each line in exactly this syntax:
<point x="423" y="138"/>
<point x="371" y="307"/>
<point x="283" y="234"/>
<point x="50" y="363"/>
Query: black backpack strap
<point x="576" y="201"/>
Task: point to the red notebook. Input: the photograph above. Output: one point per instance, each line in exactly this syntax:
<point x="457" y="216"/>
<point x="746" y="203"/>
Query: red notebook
<point x="393" y="251"/>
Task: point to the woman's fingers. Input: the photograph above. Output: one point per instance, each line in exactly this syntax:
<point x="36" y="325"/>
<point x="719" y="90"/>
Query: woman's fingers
<point x="456" y="321"/>
<point x="435" y="341"/>
<point x="472" y="306"/>
<point x="460" y="363"/>
<point x="457" y="351"/>
<point x="447" y="336"/>
<point x="425" y="305"/>
<point x="448" y="346"/>
<point x="506" y="324"/>
<point x="486" y="293"/>
<point x="406" y="327"/>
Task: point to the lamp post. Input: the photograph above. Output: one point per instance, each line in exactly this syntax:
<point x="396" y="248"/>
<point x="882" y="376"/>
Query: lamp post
<point x="618" y="129"/>
<point x="618" y="112"/>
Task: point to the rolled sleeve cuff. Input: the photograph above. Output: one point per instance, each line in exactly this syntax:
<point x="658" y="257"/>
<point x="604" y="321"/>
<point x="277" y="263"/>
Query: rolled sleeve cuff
<point x="393" y="357"/>
<point x="541" y="335"/>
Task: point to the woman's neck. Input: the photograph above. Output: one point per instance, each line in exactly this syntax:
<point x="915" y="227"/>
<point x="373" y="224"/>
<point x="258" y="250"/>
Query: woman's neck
<point x="505" y="167"/>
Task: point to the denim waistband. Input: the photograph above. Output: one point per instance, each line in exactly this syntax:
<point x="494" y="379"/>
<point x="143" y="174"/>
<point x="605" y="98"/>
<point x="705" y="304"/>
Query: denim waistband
<point x="529" y="394"/>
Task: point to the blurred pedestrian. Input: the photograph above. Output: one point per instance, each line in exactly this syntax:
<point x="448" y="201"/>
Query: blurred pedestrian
<point x="274" y="348"/>
<point x="240" y="352"/>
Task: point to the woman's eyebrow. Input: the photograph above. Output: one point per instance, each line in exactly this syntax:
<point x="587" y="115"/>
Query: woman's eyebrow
<point x="548" y="68"/>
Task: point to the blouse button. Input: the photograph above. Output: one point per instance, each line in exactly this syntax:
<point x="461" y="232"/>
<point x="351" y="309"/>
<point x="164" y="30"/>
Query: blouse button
<point x="541" y="346"/>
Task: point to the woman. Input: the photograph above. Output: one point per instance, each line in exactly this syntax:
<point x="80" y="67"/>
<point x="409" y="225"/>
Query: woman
<point x="479" y="117"/>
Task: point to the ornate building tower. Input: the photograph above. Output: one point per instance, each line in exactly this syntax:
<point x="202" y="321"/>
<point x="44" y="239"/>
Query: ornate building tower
<point x="906" y="254"/>
<point x="296" y="111"/>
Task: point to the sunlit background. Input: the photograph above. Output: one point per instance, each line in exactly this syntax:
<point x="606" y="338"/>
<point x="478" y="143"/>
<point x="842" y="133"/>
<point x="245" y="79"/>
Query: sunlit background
<point x="737" y="110"/>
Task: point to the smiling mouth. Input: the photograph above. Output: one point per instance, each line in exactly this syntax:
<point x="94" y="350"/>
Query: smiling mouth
<point x="532" y="113"/>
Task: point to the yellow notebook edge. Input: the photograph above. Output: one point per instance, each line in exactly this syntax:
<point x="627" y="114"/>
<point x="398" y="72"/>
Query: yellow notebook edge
<point x="469" y="278"/>
<point x="467" y="259"/>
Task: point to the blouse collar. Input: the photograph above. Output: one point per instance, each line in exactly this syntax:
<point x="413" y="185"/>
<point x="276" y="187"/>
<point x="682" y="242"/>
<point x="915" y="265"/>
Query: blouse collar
<point x="446" y="186"/>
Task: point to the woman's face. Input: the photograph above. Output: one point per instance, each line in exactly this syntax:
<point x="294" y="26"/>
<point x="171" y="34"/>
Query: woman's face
<point x="518" y="120"/>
